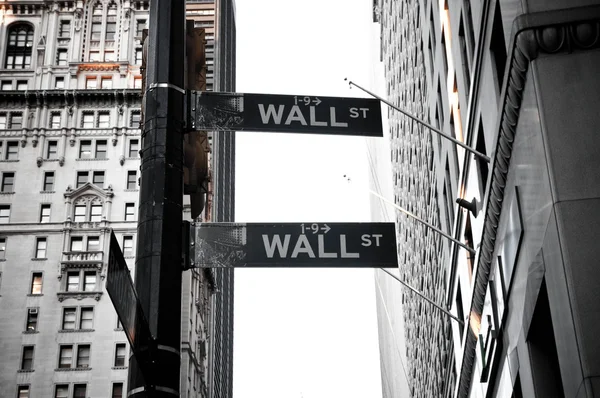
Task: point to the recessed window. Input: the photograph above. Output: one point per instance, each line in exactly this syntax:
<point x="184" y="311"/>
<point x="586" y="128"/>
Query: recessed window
<point x="101" y="145"/>
<point x="62" y="390"/>
<point x="135" y="119"/>
<point x="127" y="246"/>
<point x="65" y="358"/>
<point x="137" y="82"/>
<point x="73" y="282"/>
<point x="96" y="213"/>
<point x="21" y="85"/>
<point x="52" y="150"/>
<point x="87" y="122"/>
<point x="96" y="31"/>
<point x="12" y="147"/>
<point x="6" y="85"/>
<point x="95" y="56"/>
<point x="137" y="56"/>
<point x="120" y="354"/>
<point x="131" y="179"/>
<point x="83" y="356"/>
<point x="82" y="178"/>
<point x="111" y="30"/>
<point x="55" y="121"/>
<point x="20" y="45"/>
<point x="2" y="248"/>
<point x="140" y="25"/>
<point x="23" y="392"/>
<point x="98" y="178"/>
<point x="64" y="30"/>
<point x="36" y="283"/>
<point x="93" y="243"/>
<point x="117" y="390"/>
<point x="8" y="182"/>
<point x="129" y="211"/>
<point x="106" y="82"/>
<point x="85" y="147"/>
<point x="27" y="359"/>
<point x="62" y="57"/>
<point x="41" y="245"/>
<point x="109" y="56"/>
<point x="48" y="181"/>
<point x="59" y="82"/>
<point x="68" y="319"/>
<point x="4" y="214"/>
<point x="134" y="148"/>
<point x="79" y="213"/>
<point x="45" y="213"/>
<point x="79" y="390"/>
<point x="89" y="281"/>
<point x="32" y="320"/>
<point x="76" y="243"/>
<point x="91" y="83"/>
<point x="87" y="318"/>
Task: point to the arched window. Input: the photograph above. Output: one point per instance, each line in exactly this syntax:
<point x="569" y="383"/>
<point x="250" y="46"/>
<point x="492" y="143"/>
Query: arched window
<point x="18" y="49"/>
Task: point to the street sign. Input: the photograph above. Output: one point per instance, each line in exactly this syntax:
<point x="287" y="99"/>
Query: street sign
<point x="339" y="245"/>
<point x="122" y="293"/>
<point x="286" y="113"/>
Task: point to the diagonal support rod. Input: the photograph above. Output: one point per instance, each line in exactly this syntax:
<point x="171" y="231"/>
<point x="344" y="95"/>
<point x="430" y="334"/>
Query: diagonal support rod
<point x="421" y="121"/>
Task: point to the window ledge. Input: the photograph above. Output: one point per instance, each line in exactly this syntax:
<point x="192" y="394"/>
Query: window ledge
<point x="30" y="331"/>
<point x="119" y="367"/>
<point x="34" y="295"/>
<point x="78" y="295"/>
<point x="90" y="159"/>
<point x="6" y="193"/>
<point x="25" y="370"/>
<point x="72" y="369"/>
<point x="47" y="191"/>
<point x="76" y="330"/>
<point x="51" y="160"/>
<point x="131" y="190"/>
<point x="9" y="160"/>
<point x="39" y="259"/>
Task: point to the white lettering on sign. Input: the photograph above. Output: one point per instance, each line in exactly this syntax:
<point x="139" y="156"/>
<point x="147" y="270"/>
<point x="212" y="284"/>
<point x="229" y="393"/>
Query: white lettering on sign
<point x="367" y="239"/>
<point x="275" y="243"/>
<point x="294" y="114"/>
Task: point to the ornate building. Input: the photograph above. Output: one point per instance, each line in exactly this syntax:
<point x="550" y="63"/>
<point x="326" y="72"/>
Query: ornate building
<point x="70" y="99"/>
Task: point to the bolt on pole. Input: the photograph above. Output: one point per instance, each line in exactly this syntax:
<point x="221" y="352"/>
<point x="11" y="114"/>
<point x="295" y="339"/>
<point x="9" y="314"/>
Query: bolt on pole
<point x="158" y="261"/>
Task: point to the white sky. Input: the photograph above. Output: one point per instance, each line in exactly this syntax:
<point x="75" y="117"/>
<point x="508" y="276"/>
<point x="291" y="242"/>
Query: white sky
<point x="308" y="333"/>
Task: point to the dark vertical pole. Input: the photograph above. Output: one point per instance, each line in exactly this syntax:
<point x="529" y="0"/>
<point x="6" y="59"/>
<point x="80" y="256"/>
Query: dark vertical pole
<point x="158" y="264"/>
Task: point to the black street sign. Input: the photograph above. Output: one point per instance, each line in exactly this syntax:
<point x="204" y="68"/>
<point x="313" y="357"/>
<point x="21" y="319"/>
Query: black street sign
<point x="337" y="245"/>
<point x="286" y="114"/>
<point x="122" y="293"/>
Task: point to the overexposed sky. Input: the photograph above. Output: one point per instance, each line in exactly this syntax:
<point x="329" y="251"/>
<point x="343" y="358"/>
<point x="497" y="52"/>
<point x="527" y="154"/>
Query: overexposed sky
<point x="309" y="333"/>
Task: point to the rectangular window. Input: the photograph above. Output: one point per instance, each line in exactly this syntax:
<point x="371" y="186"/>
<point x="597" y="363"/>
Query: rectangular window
<point x="137" y="82"/>
<point x="64" y="30"/>
<point x="59" y="82"/>
<point x="21" y="85"/>
<point x="79" y="390"/>
<point x="95" y="56"/>
<point x="131" y="179"/>
<point x="134" y="148"/>
<point x="40" y="247"/>
<point x="73" y="281"/>
<point x="23" y="392"/>
<point x="140" y="25"/>
<point x="96" y="31"/>
<point x="79" y="213"/>
<point x="48" y="181"/>
<point x="82" y="179"/>
<point x="32" y="319"/>
<point x="89" y="281"/>
<point x="106" y="82"/>
<point x="91" y="83"/>
<point x="62" y="57"/>
<point x="93" y="244"/>
<point x="68" y="319"/>
<point x="36" y="283"/>
<point x="52" y="150"/>
<point x="2" y="248"/>
<point x="138" y="56"/>
<point x="77" y="243"/>
<point x="109" y="56"/>
<point x="120" y="355"/>
<point x="87" y="318"/>
<point x="101" y="145"/>
<point x="129" y="211"/>
<point x="98" y="178"/>
<point x="4" y="214"/>
<point x="6" y="85"/>
<point x="27" y="360"/>
<point x="83" y="356"/>
<point x="2" y="123"/>
<point x="62" y="391"/>
<point x="55" y="121"/>
<point x="8" y="182"/>
<point x="117" y="390"/>
<point x="127" y="246"/>
<point x="45" y="213"/>
<point x="96" y="213"/>
<point x="111" y="30"/>
<point x="65" y="357"/>
<point x="88" y="123"/>
<point x="12" y="148"/>
<point x="135" y="119"/>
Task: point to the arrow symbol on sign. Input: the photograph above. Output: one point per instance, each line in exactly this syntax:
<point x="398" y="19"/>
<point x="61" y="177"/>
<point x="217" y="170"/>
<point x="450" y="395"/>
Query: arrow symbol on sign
<point x="326" y="228"/>
<point x="317" y="101"/>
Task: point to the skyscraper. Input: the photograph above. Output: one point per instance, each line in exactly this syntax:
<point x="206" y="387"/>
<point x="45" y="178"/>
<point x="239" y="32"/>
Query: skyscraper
<point x="515" y="82"/>
<point x="70" y="99"/>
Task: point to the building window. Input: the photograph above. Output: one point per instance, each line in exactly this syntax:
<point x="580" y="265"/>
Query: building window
<point x="3" y="123"/>
<point x="55" y="121"/>
<point x="98" y="178"/>
<point x="20" y="44"/>
<point x="6" y="85"/>
<point x="86" y="321"/>
<point x="62" y="390"/>
<point x="128" y="246"/>
<point x="32" y="320"/>
<point x="106" y="82"/>
<point x="48" y="181"/>
<point x="79" y="213"/>
<point x="138" y="56"/>
<point x="45" y="213"/>
<point x="77" y="243"/>
<point x="41" y="245"/>
<point x="87" y="122"/>
<point x="85" y="148"/>
<point x="137" y="82"/>
<point x="65" y="357"/>
<point x="83" y="356"/>
<point x="12" y="148"/>
<point x="21" y="85"/>
<point x="140" y="25"/>
<point x="68" y="319"/>
<point x="134" y="148"/>
<point x="120" y="355"/>
<point x="59" y="82"/>
<point x="89" y="281"/>
<point x="109" y="56"/>
<point x="8" y="182"/>
<point x="52" y="150"/>
<point x="82" y="178"/>
<point x="101" y="145"/>
<point x="117" y="390"/>
<point x="16" y="121"/>
<point x="27" y="359"/>
<point x="64" y="30"/>
<point x="79" y="390"/>
<point x="131" y="179"/>
<point x="96" y="31"/>
<point x="72" y="281"/>
<point x="91" y="83"/>
<point x="23" y="392"/>
<point x="135" y="119"/>
<point x="95" y="56"/>
<point x="62" y="57"/>
<point x="2" y="248"/>
<point x="4" y="214"/>
<point x="111" y="30"/>
<point x="96" y="213"/>
<point x="129" y="211"/>
<point x="36" y="283"/>
<point x="93" y="243"/>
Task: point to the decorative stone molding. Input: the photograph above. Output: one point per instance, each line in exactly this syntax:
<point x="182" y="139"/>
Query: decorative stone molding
<point x="62" y="296"/>
<point x="535" y="35"/>
<point x="122" y="160"/>
<point x="61" y="160"/>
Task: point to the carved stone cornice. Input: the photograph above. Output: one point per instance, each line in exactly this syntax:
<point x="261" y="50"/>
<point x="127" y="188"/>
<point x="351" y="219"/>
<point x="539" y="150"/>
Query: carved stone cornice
<point x="534" y="36"/>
